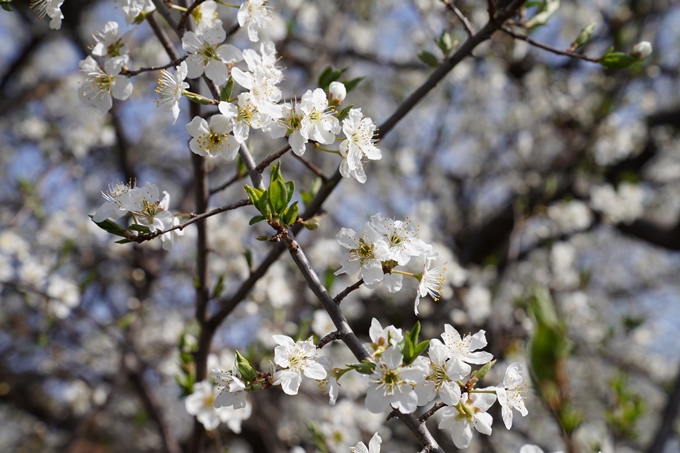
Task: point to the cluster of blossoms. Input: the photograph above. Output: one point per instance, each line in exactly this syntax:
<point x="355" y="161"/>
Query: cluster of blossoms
<point x="398" y="379"/>
<point x="145" y="207"/>
<point x="380" y="252"/>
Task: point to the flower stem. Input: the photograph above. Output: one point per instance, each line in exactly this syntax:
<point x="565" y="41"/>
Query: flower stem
<point x="229" y="5"/>
<point x="178" y="8"/>
<point x="333" y="151"/>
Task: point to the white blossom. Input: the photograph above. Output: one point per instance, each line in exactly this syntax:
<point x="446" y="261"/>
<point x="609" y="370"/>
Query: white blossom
<point x="263" y="89"/>
<point x="232" y="389"/>
<point x="462" y="349"/>
<point x="201" y="403"/>
<point x="392" y="384"/>
<point x="296" y="359"/>
<point x="510" y="393"/>
<point x="205" y="15"/>
<point x="170" y="87"/>
<point x="461" y="422"/>
<point x="359" y="142"/>
<point x="317" y="123"/>
<point x="365" y="255"/>
<point x="254" y="15"/>
<point x="624" y="204"/>
<point x="642" y="50"/>
<point x="64" y="295"/>
<point x="110" y="43"/>
<point x="243" y="116"/>
<point x="381" y="339"/>
<point x="51" y="8"/>
<point x="337" y="92"/>
<point x="289" y="124"/>
<point x="401" y="238"/>
<point x="207" y="55"/>
<point x="101" y="84"/>
<point x="431" y="280"/>
<point x="133" y="8"/>
<point x="329" y="385"/>
<point x="373" y="445"/>
<point x="441" y="375"/>
<point x="211" y="140"/>
<point x="145" y="206"/>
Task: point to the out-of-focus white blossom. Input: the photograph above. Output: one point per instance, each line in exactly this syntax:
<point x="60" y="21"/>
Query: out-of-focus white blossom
<point x="254" y="15"/>
<point x="642" y="50"/>
<point x="110" y="43"/>
<point x="510" y="393"/>
<point x="51" y="8"/>
<point x="622" y="205"/>
<point x="373" y="445"/>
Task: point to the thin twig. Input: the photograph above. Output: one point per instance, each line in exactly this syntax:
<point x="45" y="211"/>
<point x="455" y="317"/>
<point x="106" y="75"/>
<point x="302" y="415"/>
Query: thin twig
<point x="461" y="17"/>
<point x="128" y="73"/>
<point x="194" y="218"/>
<point x="271" y="158"/>
<point x="566" y="53"/>
<point x="314" y="169"/>
<point x="249" y="162"/>
<point x="333" y="336"/>
<point x="337" y="299"/>
<point x="423" y="418"/>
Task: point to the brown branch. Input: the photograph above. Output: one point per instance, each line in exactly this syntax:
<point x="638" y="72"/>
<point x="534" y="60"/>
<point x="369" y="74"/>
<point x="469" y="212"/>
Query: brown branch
<point x="333" y="336"/>
<point x="162" y="37"/>
<point x="461" y="17"/>
<point x="313" y="168"/>
<point x="337" y="299"/>
<point x="446" y="67"/>
<point x="128" y="73"/>
<point x="430" y="413"/>
<point x="566" y="53"/>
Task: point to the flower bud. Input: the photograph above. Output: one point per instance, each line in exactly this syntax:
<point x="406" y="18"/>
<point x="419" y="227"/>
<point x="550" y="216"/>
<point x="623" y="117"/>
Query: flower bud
<point x="337" y="93"/>
<point x="641" y="50"/>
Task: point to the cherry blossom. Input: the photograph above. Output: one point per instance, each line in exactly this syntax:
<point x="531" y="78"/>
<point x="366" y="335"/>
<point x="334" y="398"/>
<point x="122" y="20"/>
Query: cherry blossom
<point x="170" y="87"/>
<point x="211" y="140"/>
<point x="207" y="55"/>
<point x="461" y="349"/>
<point x="296" y="359"/>
<point x="510" y="392"/>
<point x="461" y="421"/>
<point x="365" y="255"/>
<point x="373" y="445"/>
<point x="392" y="384"/>
<point x="101" y="84"/>
<point x="254" y="15"/>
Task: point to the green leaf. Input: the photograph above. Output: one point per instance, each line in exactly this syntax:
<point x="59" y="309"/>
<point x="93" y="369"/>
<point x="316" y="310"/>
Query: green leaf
<point x="584" y="36"/>
<point x="420" y="348"/>
<point x="428" y="59"/>
<point x="140" y="228"/>
<point x="245" y="368"/>
<point x="480" y="373"/>
<point x="264" y="206"/>
<point x="256" y="219"/>
<point x="328" y="278"/>
<point x="617" y="60"/>
<point x="365" y="367"/>
<point x="248" y="254"/>
<point x="278" y="194"/>
<point x="415" y="333"/>
<point x="253" y="193"/>
<point x="227" y="90"/>
<point x="123" y="241"/>
<point x="275" y="173"/>
<point x="219" y="287"/>
<point x="546" y="10"/>
<point x="290" y="190"/>
<point x="444" y="42"/>
<point x="344" y="112"/>
<point x="111" y="227"/>
<point x="314" y="190"/>
<point x="352" y="84"/>
<point x="197" y="98"/>
<point x="5" y="6"/>
<point x="291" y="214"/>
<point x="329" y="75"/>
